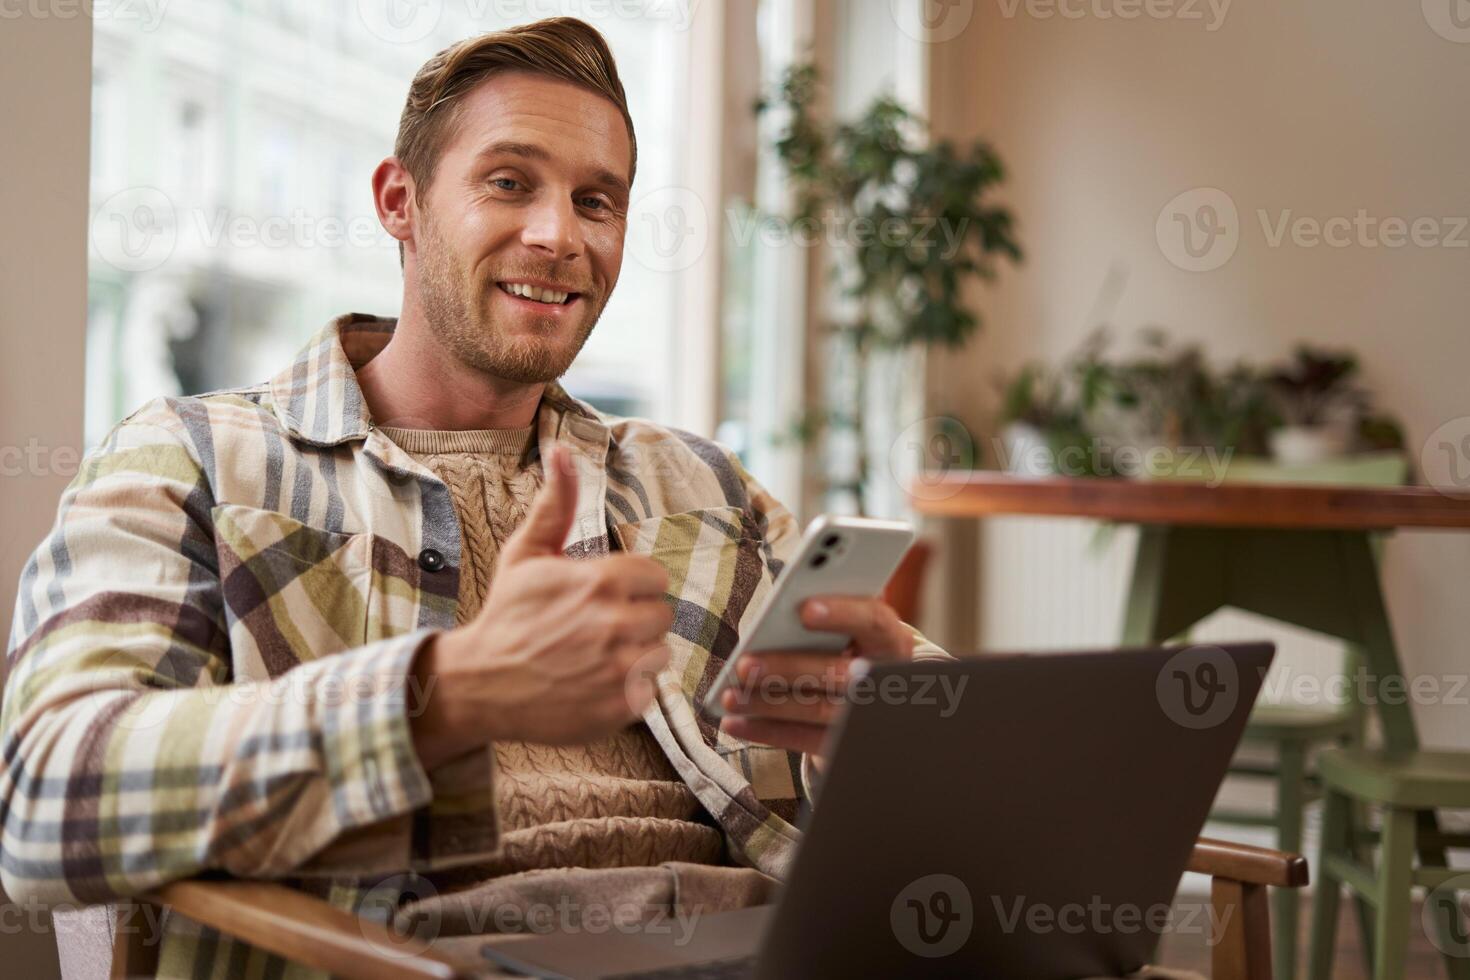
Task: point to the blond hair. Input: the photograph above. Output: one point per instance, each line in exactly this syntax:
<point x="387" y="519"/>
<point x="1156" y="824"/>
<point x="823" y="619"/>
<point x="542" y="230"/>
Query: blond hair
<point x="564" y="48"/>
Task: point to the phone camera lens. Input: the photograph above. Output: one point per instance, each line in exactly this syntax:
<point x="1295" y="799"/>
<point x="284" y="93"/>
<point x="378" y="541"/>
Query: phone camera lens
<point x="819" y="561"/>
<point x="830" y="541"/>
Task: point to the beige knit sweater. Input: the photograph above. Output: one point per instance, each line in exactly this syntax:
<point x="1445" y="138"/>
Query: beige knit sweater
<point x="613" y="803"/>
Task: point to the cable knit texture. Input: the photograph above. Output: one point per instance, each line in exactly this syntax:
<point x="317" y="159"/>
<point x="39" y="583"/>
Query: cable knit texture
<point x="613" y="803"/>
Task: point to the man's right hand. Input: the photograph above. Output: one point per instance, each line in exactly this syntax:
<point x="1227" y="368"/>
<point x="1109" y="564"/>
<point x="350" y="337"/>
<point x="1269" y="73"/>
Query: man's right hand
<point x="563" y="651"/>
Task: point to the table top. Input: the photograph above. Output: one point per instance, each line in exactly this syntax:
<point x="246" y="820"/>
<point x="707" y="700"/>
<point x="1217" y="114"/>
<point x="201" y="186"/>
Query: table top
<point x="981" y="493"/>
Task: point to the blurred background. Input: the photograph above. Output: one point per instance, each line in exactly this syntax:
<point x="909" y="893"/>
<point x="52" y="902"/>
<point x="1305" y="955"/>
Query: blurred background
<point x="871" y="239"/>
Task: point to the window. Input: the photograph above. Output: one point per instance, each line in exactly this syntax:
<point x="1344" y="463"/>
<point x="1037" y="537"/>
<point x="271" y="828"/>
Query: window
<point x="233" y="144"/>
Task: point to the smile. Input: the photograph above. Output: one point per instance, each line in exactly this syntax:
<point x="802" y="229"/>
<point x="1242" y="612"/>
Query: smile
<point x="538" y="294"/>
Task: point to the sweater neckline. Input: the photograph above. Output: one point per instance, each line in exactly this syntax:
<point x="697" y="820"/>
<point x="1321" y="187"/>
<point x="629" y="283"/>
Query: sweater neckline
<point x="511" y="442"/>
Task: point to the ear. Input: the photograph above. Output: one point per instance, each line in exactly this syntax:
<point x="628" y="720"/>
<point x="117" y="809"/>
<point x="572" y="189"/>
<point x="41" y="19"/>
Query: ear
<point x="395" y="198"/>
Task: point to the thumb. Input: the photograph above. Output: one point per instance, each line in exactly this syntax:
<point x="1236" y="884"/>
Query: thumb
<point x="546" y="527"/>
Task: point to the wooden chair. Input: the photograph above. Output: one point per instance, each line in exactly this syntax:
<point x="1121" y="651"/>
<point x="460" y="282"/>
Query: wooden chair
<point x="1408" y="787"/>
<point x="308" y="931"/>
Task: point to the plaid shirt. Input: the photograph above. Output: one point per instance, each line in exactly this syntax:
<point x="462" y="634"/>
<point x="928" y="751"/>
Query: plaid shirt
<point x="210" y="662"/>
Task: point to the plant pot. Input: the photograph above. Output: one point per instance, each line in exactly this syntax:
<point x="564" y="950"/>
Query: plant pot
<point x="1028" y="450"/>
<point x="1303" y="445"/>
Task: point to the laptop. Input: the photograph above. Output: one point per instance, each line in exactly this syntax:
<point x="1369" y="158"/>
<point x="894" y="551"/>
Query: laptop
<point x="998" y="816"/>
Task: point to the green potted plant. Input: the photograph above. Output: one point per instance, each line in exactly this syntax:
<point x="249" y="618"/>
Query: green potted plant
<point x="924" y="228"/>
<point x="1044" y="415"/>
<point x="1318" y="403"/>
<point x="1031" y="410"/>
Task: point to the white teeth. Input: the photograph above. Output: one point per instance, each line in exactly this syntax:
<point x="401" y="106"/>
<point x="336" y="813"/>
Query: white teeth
<point x="535" y="292"/>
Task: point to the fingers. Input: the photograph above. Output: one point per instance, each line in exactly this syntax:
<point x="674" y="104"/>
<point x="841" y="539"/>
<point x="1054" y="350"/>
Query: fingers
<point x="631" y="576"/>
<point x="808" y="705"/>
<point x="877" y="632"/>
<point x="797" y="686"/>
<point x="546" y="527"/>
<point x="830" y="671"/>
<point x="640" y="622"/>
<point x="792" y="736"/>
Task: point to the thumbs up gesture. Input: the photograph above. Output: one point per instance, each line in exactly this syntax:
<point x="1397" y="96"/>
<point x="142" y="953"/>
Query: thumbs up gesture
<point x="563" y="651"/>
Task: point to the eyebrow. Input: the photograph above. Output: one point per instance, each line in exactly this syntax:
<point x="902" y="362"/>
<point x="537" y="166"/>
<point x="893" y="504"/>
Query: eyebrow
<point x="531" y="151"/>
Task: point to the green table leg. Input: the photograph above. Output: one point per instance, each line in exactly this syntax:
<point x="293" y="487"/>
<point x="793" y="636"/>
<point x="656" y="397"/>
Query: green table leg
<point x="1177" y="581"/>
<point x="1322" y="580"/>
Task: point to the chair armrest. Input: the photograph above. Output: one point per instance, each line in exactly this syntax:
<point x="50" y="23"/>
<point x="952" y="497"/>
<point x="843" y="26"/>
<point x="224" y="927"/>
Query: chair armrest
<point x="307" y="930"/>
<point x="1240" y="932"/>
<point x="301" y="928"/>
<point x="1244" y="863"/>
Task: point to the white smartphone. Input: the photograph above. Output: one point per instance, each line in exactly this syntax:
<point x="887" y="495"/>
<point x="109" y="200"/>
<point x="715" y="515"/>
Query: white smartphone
<point x="852" y="556"/>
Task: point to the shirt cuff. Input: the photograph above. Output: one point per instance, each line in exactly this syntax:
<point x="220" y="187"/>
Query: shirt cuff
<point x="371" y="764"/>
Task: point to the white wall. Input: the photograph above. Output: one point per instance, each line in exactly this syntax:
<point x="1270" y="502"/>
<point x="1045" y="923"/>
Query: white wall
<point x="1322" y="107"/>
<point x="45" y="92"/>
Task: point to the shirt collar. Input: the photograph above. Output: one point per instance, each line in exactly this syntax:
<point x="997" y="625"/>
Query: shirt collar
<point x="318" y="401"/>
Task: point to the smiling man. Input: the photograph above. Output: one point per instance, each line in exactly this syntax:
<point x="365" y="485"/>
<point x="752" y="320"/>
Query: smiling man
<point x="408" y="616"/>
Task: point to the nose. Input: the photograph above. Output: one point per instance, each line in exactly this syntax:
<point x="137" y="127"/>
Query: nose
<point x="552" y="229"/>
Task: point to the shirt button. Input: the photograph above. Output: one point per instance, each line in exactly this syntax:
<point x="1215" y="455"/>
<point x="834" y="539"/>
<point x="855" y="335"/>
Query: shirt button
<point x="431" y="560"/>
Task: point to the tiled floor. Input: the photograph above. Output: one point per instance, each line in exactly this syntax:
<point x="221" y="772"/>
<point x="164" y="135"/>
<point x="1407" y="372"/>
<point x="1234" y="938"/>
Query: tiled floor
<point x="1190" y="951"/>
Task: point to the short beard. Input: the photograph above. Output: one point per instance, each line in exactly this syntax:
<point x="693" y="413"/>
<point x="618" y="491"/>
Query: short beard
<point x="458" y="319"/>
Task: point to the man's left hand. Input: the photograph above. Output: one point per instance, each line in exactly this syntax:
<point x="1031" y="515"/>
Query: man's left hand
<point x="788" y="698"/>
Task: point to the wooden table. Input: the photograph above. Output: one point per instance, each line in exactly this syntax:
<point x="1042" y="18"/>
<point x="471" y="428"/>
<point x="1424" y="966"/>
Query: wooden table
<point x="1299" y="554"/>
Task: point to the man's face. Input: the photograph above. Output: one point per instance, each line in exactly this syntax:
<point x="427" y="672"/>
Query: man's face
<point x="520" y="237"/>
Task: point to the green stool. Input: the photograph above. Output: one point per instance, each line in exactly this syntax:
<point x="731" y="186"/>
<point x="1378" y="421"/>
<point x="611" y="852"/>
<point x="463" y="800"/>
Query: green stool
<point x="1409" y="786"/>
<point x="1293" y="732"/>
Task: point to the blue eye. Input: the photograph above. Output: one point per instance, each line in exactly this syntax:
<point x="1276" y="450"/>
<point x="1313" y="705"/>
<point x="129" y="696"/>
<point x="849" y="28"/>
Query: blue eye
<point x="506" y="183"/>
<point x="594" y="202"/>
